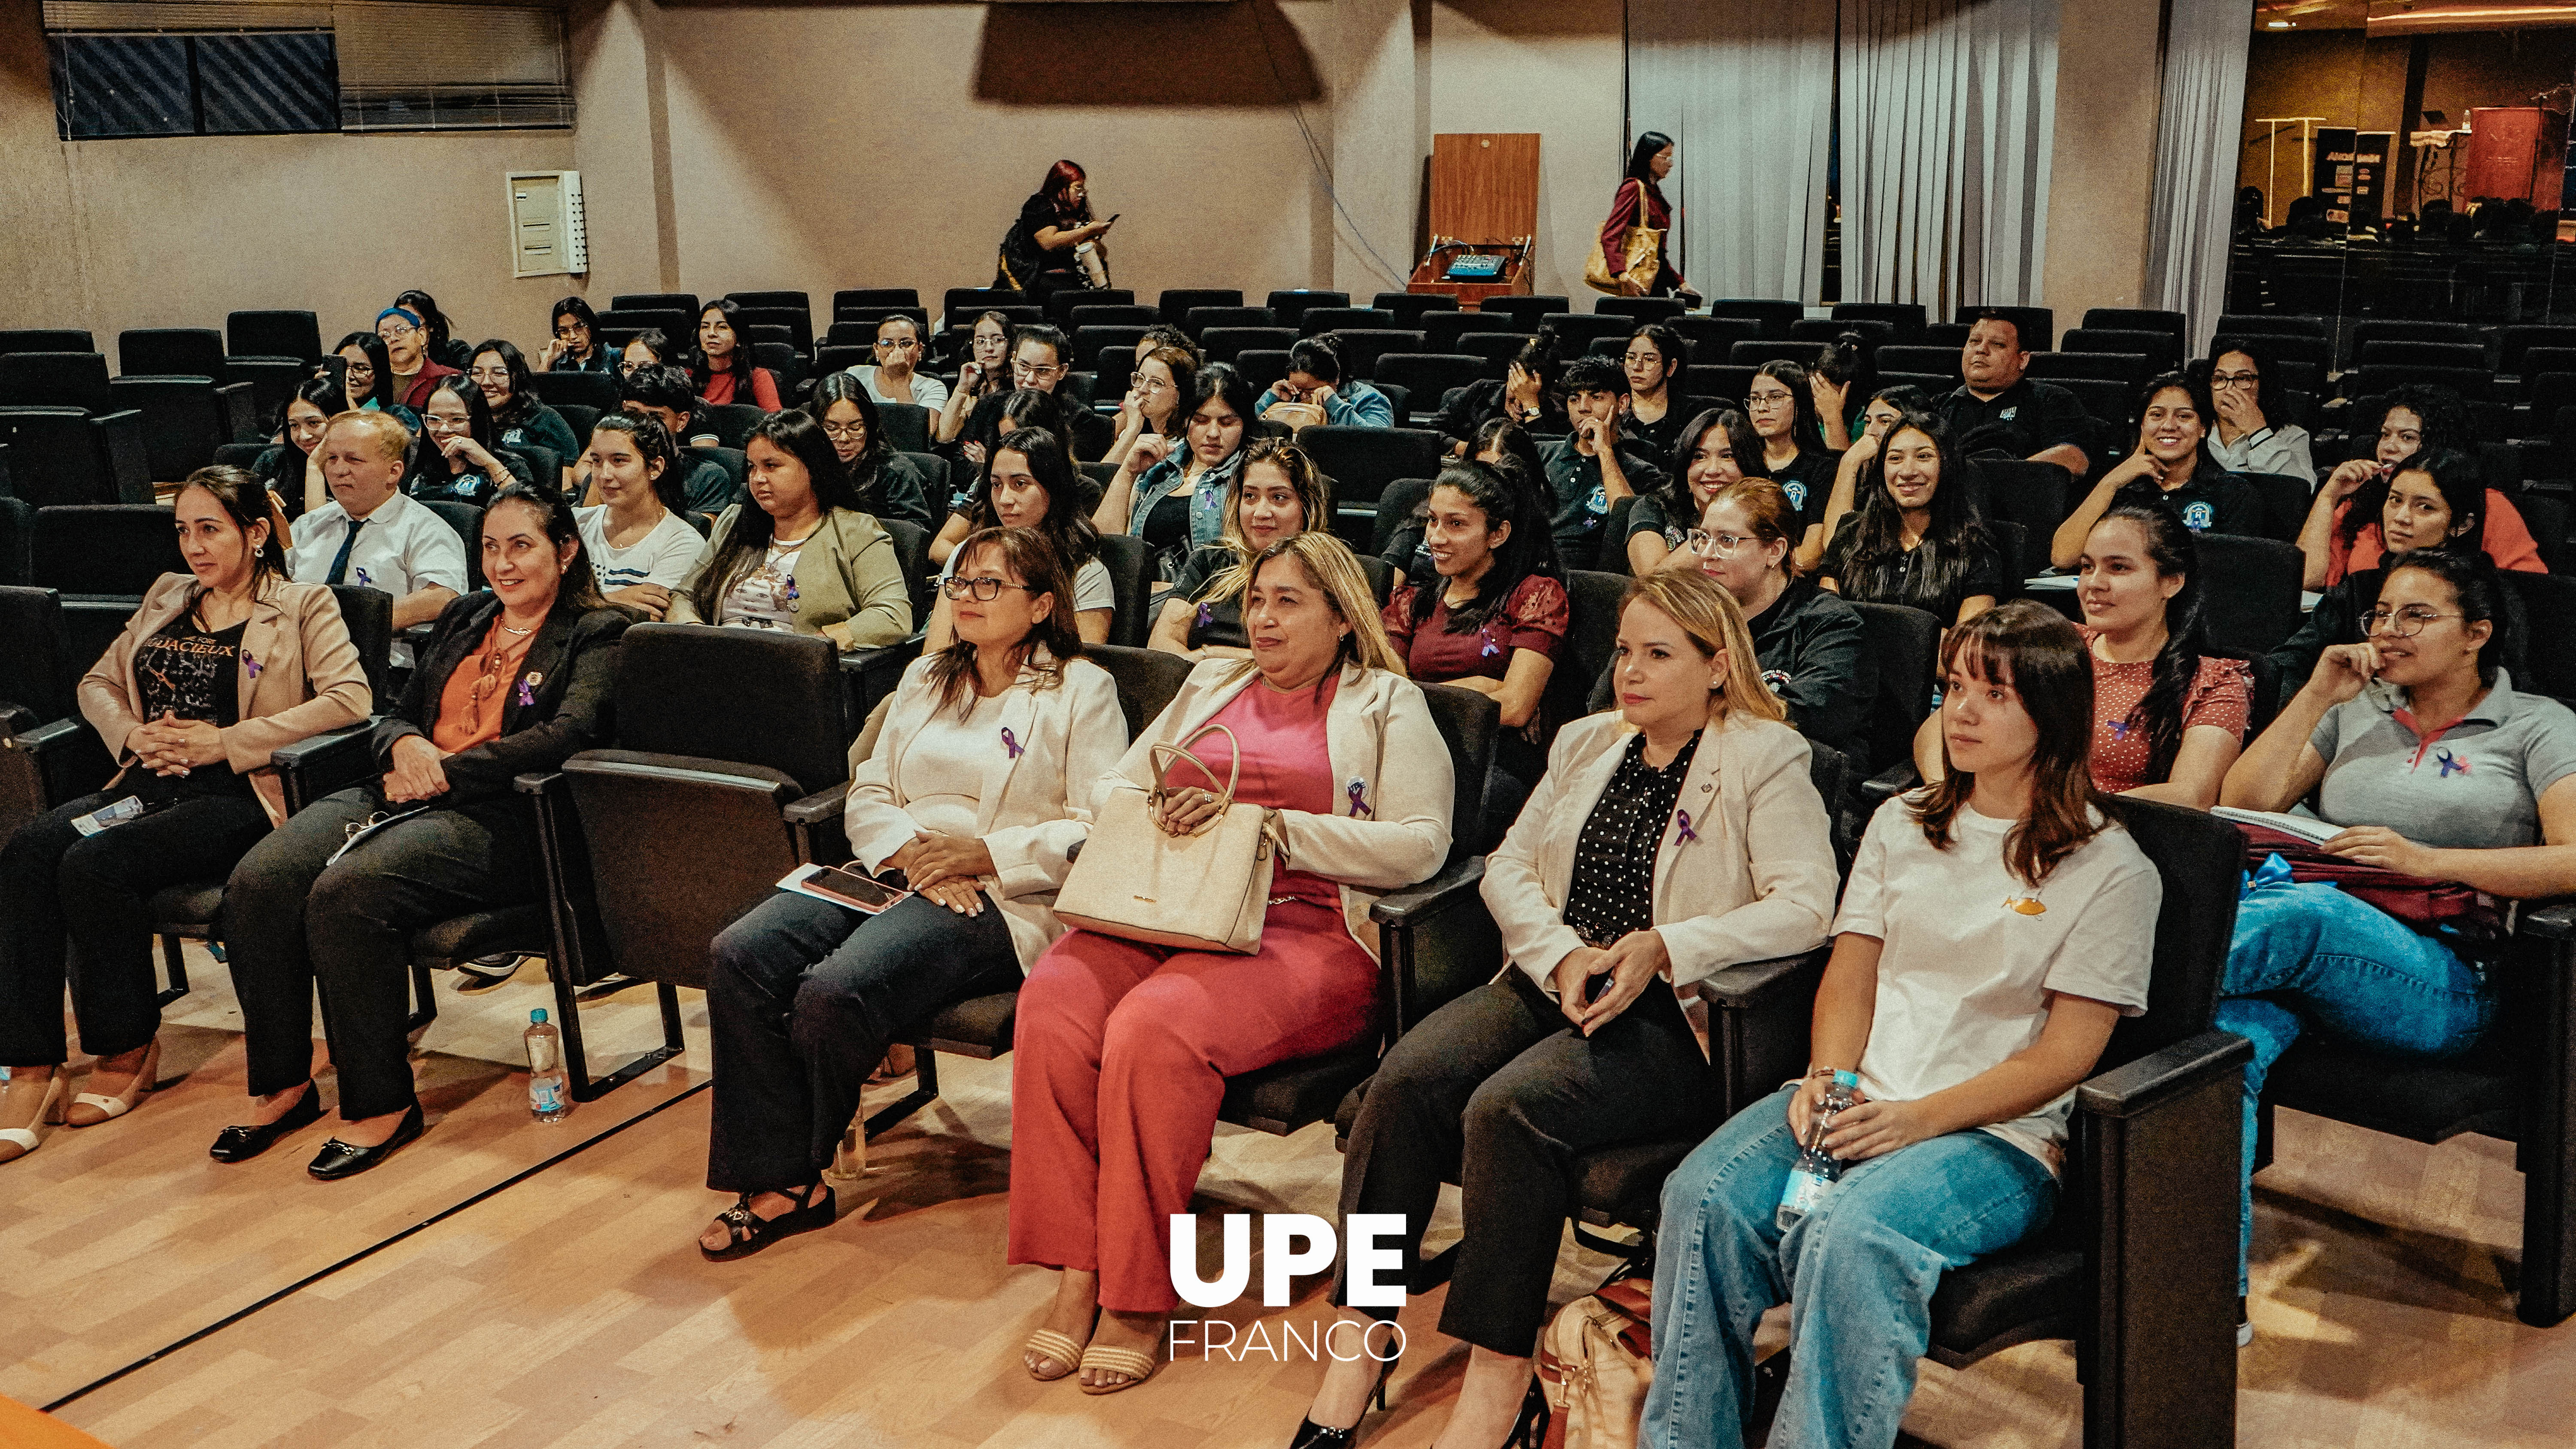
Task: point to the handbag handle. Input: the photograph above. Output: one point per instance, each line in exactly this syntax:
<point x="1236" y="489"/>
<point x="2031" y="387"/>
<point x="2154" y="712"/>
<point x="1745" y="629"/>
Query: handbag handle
<point x="1166" y="756"/>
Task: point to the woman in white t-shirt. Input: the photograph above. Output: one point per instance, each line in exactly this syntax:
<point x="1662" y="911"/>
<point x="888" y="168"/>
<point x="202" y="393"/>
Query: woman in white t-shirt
<point x="1995" y="927"/>
<point x="1031" y="484"/>
<point x="639" y="544"/>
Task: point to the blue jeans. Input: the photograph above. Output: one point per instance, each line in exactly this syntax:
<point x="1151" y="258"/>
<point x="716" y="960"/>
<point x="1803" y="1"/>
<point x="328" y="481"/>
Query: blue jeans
<point x="1857" y="1273"/>
<point x="2310" y="955"/>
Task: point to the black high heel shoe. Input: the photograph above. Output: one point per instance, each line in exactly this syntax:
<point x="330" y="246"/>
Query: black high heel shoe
<point x="1311" y="1435"/>
<point x="339" y="1159"/>
<point x="241" y="1144"/>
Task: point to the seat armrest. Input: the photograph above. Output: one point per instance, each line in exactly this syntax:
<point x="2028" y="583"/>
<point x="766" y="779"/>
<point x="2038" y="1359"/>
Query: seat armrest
<point x="1415" y="904"/>
<point x="819" y="807"/>
<point x="1749" y="984"/>
<point x="318" y="765"/>
<point x="70" y="759"/>
<point x="2163" y="1075"/>
<point x="815" y="821"/>
<point x="538" y="782"/>
<point x="2549" y="920"/>
<point x="1437" y="941"/>
<point x="1889" y="783"/>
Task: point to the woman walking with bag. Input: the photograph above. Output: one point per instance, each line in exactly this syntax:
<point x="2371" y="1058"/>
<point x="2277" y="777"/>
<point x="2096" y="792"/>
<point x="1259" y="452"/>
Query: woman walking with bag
<point x="1123" y="1046"/>
<point x="1640" y="267"/>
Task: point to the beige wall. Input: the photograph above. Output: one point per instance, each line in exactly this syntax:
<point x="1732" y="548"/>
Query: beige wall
<point x="1557" y="67"/>
<point x="176" y="232"/>
<point x="2101" y="176"/>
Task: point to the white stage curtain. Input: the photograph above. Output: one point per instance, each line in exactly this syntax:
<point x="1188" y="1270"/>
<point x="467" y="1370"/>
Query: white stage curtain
<point x="1948" y="116"/>
<point x="2197" y="136"/>
<point x="1745" y="88"/>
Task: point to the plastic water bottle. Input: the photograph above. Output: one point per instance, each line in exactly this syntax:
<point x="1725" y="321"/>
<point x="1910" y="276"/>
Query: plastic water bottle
<point x="1816" y="1171"/>
<point x="549" y="1091"/>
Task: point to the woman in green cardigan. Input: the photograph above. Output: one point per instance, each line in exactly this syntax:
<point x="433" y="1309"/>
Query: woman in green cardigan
<point x="801" y="556"/>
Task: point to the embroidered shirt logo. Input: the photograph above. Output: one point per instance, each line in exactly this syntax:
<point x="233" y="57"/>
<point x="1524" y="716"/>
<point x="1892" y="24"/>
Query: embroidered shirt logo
<point x="1795" y="492"/>
<point x="2198" y="516"/>
<point x="2029" y="905"/>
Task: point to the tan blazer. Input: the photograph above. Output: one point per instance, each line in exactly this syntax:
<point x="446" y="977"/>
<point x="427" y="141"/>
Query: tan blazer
<point x="1758" y="881"/>
<point x="1380" y="737"/>
<point x="307" y="680"/>
<point x="1032" y="807"/>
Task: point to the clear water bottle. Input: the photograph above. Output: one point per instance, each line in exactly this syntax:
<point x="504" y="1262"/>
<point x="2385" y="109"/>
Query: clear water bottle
<point x="1816" y="1171"/>
<point x="549" y="1090"/>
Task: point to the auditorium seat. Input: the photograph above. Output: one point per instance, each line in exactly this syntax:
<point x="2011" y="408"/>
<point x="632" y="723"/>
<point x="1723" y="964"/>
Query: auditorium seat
<point x="1905" y="318"/>
<point x="45" y="339"/>
<point x="2473" y="384"/>
<point x="1815" y="332"/>
<point x="1722" y="384"/>
<point x="2128" y="369"/>
<point x="1059" y="307"/>
<point x="2139" y="319"/>
<point x="1320" y="320"/>
<point x="1427" y="376"/>
<point x="684" y="303"/>
<point x="1224" y="344"/>
<point x="1200" y="319"/>
<point x="1088" y="341"/>
<point x="2270" y="324"/>
<point x="1441" y="330"/>
<point x="1174" y="305"/>
<point x="1936" y="361"/>
<point x="1361" y="347"/>
<point x="2252" y="602"/>
<point x="1709" y="338"/>
<point x="1768" y="350"/>
<point x="1496" y="348"/>
<point x="596" y="390"/>
<point x="1286" y="307"/>
<point x="2512" y="343"/>
<point x="852" y="299"/>
<point x="1524" y="311"/>
<point x="2163" y="351"/>
<point x="1639" y="309"/>
<point x="1362" y="461"/>
<point x="960" y="304"/>
<point x="1409" y="307"/>
<point x="2387" y="353"/>
<point x="1774" y="315"/>
<point x="289" y="334"/>
<point x="1262" y="366"/>
<point x="1577" y="331"/>
<point x="1112" y="315"/>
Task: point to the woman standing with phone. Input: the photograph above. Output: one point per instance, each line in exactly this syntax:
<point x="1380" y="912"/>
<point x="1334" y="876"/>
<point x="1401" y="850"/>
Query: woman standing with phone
<point x="1043" y="254"/>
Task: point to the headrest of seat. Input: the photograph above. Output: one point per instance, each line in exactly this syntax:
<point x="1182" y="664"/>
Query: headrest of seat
<point x="750" y="696"/>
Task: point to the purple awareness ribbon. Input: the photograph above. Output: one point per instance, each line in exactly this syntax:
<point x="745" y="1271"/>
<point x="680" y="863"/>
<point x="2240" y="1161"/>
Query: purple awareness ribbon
<point x="251" y="663"/>
<point x="527" y="694"/>
<point x="1207" y="615"/>
<point x="1688" y="834"/>
<point x="1358" y="791"/>
<point x="1491" y="648"/>
<point x="363" y="580"/>
<point x="1011" y="742"/>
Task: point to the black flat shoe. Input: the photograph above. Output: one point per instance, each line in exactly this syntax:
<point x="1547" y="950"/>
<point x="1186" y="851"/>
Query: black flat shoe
<point x="338" y="1159"/>
<point x="1311" y="1435"/>
<point x="241" y="1144"/>
<point x="748" y="1232"/>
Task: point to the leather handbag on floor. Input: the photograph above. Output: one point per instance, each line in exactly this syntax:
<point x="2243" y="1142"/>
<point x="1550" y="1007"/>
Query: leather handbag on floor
<point x="1204" y="891"/>
<point x="1596" y="1361"/>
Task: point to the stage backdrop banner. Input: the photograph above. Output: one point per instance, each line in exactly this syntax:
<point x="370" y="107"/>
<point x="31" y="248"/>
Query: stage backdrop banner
<point x="1746" y="89"/>
<point x="1948" y="116"/>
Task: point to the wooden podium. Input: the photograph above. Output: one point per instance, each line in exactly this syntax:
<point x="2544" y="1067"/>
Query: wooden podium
<point x="1484" y="202"/>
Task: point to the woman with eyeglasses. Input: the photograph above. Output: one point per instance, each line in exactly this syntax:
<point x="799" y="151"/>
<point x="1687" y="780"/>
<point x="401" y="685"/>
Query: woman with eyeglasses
<point x="2416" y="744"/>
<point x="1031" y="484"/>
<point x="410" y="370"/>
<point x="575" y="344"/>
<point x="290" y="469"/>
<point x="500" y="371"/>
<point x="1155" y="391"/>
<point x="887" y="482"/>
<point x="648" y="348"/>
<point x="1717" y="448"/>
<point x="1170" y="491"/>
<point x="1041" y="255"/>
<point x="2246" y="439"/>
<point x="367" y="378"/>
<point x="1781" y="403"/>
<point x="2350" y="523"/>
<point x="721" y="368"/>
<point x="440" y="340"/>
<point x="1654" y="360"/>
<point x="1278" y="493"/>
<point x="895" y="376"/>
<point x="1811" y="646"/>
<point x="459" y="457"/>
<point x="985" y="373"/>
<point x="1916" y="538"/>
<point x="803" y="556"/>
<point x="516" y="678"/>
<point x="973" y="800"/>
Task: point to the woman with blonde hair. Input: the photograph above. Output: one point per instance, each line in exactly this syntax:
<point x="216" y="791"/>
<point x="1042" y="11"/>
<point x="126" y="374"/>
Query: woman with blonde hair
<point x="1278" y="493"/>
<point x="1667" y="841"/>
<point x="1123" y="1048"/>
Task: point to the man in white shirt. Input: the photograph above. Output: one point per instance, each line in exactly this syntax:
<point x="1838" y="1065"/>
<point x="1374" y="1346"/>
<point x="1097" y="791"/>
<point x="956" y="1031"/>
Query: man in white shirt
<point x="371" y="535"/>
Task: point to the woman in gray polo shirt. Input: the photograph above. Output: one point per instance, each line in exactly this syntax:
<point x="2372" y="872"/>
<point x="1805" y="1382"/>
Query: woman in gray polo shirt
<point x="2416" y="742"/>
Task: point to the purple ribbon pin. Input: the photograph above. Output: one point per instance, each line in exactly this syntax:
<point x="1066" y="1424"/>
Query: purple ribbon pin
<point x="363" y="580"/>
<point x="250" y="663"/>
<point x="1491" y="648"/>
<point x="1011" y="742"/>
<point x="1358" y="791"/>
<point x="1688" y="834"/>
<point x="527" y="693"/>
<point x="1207" y="615"/>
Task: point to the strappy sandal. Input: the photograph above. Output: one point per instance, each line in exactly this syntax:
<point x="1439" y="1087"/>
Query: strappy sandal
<point x="1136" y="1364"/>
<point x="17" y="1142"/>
<point x="1054" y="1347"/>
<point x="748" y="1232"/>
<point x="108" y="1109"/>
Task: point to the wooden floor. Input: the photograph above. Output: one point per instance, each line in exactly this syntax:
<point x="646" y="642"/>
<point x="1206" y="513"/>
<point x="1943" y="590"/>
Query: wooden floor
<point x="570" y="1308"/>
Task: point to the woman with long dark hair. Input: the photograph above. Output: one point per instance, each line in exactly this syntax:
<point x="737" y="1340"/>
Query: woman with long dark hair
<point x="1654" y="359"/>
<point x="219" y="668"/>
<point x="640" y="547"/>
<point x="2348" y="524"/>
<point x="1995" y="927"/>
<point x="575" y="346"/>
<point x="290" y="469"/>
<point x="1029" y="482"/>
<point x="500" y="371"/>
<point x="367" y="378"/>
<point x="802" y="555"/>
<point x="1277" y="493"/>
<point x="1157" y="393"/>
<point x="2245" y="386"/>
<point x="1170" y="490"/>
<point x="515" y="678"/>
<point x="1916" y="538"/>
<point x="1717" y="449"/>
<point x="1822" y="514"/>
<point x="1842" y="369"/>
<point x="1041" y="254"/>
<point x="459" y="457"/>
<point x="1781" y="401"/>
<point x="2171" y="464"/>
<point x="886" y="482"/>
<point x="1640" y="203"/>
<point x="986" y="371"/>
<point x="439" y="340"/>
<point x="721" y="366"/>
<point x="803" y="996"/>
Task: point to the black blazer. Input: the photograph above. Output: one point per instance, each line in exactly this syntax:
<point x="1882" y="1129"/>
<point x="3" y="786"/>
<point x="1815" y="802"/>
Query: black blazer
<point x="568" y="672"/>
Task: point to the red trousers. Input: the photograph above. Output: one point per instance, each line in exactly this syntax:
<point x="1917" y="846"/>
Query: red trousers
<point x="1120" y="1061"/>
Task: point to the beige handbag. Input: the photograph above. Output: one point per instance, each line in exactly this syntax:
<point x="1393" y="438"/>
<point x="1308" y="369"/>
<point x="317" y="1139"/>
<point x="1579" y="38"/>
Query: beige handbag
<point x="1204" y="891"/>
<point x="1640" y="252"/>
<point x="1296" y="416"/>
<point x="1595" y="1363"/>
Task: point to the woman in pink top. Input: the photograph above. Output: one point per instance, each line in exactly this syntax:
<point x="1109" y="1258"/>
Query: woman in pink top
<point x="1122" y="1048"/>
<point x="2362" y="512"/>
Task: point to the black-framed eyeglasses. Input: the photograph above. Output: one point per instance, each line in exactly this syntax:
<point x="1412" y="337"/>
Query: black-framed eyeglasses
<point x="846" y="432"/>
<point x="984" y="590"/>
<point x="2403" y="623"/>
<point x="2234" y="379"/>
<point x="1768" y="399"/>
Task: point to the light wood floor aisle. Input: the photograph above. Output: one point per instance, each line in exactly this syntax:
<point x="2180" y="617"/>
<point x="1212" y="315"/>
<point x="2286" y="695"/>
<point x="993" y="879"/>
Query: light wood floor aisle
<point x="572" y="1309"/>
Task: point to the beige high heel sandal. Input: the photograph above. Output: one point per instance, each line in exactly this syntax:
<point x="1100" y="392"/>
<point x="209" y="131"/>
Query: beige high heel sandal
<point x="17" y="1142"/>
<point x="107" y="1109"/>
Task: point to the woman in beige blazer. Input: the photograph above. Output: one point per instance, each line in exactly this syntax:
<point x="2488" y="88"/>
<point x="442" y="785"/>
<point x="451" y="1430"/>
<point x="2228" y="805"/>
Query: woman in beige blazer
<point x="974" y="797"/>
<point x="800" y="556"/>
<point x="1122" y="1048"/>
<point x="1669" y="840"/>
<point x="220" y="667"/>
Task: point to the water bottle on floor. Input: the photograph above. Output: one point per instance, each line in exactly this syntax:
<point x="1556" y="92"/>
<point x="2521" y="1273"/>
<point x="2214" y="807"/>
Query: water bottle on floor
<point x="1816" y="1171"/>
<point x="549" y="1090"/>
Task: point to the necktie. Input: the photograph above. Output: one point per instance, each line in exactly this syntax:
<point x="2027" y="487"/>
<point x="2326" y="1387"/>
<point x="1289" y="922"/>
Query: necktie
<point x="340" y="561"/>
